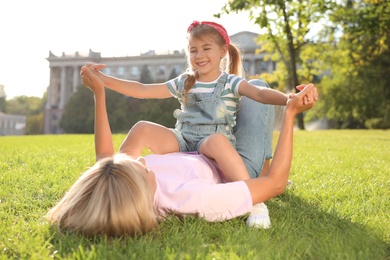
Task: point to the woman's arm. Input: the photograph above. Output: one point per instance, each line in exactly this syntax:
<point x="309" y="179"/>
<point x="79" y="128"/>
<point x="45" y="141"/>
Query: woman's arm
<point x="131" y="88"/>
<point x="274" y="181"/>
<point x="103" y="137"/>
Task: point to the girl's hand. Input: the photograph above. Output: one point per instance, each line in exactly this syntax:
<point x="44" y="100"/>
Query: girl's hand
<point x="92" y="66"/>
<point x="90" y="78"/>
<point x="307" y="99"/>
<point x="304" y="100"/>
<point x="95" y="66"/>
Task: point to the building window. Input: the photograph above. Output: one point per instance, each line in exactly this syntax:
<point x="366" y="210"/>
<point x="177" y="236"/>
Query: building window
<point x="121" y="71"/>
<point x="107" y="71"/>
<point x="134" y="71"/>
<point x="161" y="70"/>
<point x="246" y="66"/>
<point x="263" y="66"/>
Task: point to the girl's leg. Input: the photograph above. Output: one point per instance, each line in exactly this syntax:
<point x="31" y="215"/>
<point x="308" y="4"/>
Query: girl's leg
<point x="158" y="138"/>
<point x="218" y="147"/>
<point x="253" y="132"/>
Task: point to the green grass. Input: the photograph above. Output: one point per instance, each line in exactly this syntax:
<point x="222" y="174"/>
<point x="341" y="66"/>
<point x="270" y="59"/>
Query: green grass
<point x="337" y="208"/>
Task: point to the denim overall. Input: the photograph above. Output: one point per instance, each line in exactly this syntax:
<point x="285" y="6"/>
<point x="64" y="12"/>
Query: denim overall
<point x="204" y="114"/>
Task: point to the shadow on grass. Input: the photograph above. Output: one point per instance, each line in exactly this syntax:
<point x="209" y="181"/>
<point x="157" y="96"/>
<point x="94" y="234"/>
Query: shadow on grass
<point x="300" y="230"/>
<point x="324" y="233"/>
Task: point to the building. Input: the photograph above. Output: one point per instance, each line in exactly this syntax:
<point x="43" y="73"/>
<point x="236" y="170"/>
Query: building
<point x="65" y="69"/>
<point x="12" y="124"/>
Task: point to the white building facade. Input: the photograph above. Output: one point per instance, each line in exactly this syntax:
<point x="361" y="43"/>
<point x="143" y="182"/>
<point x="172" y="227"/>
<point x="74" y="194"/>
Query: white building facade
<point x="65" y="77"/>
<point x="12" y="124"/>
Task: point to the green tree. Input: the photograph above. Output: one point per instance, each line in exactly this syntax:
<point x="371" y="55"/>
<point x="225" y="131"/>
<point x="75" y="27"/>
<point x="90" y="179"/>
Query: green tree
<point x="34" y="124"/>
<point x="3" y="97"/>
<point x="357" y="91"/>
<point x="32" y="107"/>
<point x="24" y="105"/>
<point x="145" y="76"/>
<point x="159" y="111"/>
<point x="287" y="26"/>
<point x="78" y="116"/>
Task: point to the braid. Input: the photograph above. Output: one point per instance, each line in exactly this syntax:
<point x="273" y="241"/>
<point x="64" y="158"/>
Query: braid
<point x="188" y="84"/>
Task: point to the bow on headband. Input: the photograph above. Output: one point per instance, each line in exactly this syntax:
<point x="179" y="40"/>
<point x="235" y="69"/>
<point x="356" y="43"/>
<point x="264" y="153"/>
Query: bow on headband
<point x="216" y="26"/>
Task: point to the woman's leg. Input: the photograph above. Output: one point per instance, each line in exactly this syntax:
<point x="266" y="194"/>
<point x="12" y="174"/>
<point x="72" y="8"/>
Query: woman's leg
<point x="253" y="132"/>
<point x="158" y="138"/>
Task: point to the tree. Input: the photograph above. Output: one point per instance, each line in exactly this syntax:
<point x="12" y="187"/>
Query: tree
<point x="78" y="116"/>
<point x="24" y="105"/>
<point x="34" y="124"/>
<point x="145" y="76"/>
<point x="3" y="96"/>
<point x="287" y="25"/>
<point x="159" y="111"/>
<point x="357" y="91"/>
<point x="32" y="107"/>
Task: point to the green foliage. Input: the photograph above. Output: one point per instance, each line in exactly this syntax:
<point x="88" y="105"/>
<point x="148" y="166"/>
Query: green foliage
<point x="348" y="59"/>
<point x="287" y="40"/>
<point x="3" y="96"/>
<point x="159" y="111"/>
<point x="24" y="105"/>
<point x="145" y="76"/>
<point x="337" y="207"/>
<point x="32" y="107"/>
<point x="34" y="124"/>
<point x="357" y="91"/>
<point x="78" y="116"/>
<point x="123" y="112"/>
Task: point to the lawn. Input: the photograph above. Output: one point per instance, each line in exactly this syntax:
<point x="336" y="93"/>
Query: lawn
<point x="337" y="208"/>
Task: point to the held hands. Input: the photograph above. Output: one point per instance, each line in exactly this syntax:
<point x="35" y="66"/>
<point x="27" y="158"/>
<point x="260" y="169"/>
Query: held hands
<point x="90" y="76"/>
<point x="302" y="101"/>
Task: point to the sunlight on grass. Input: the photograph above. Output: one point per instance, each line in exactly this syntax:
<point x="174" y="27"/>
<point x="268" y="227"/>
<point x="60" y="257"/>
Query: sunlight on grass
<point x="337" y="208"/>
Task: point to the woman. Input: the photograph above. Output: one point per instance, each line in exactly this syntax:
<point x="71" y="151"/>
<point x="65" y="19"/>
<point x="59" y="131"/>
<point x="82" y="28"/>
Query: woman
<point x="121" y="195"/>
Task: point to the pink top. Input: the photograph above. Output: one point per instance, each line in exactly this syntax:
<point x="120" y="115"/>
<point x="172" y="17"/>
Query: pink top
<point x="191" y="184"/>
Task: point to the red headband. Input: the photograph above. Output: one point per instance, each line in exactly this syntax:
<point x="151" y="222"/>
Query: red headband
<point x="216" y="26"/>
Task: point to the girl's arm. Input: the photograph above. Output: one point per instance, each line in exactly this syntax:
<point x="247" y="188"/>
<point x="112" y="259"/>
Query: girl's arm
<point x="103" y="138"/>
<point x="262" y="94"/>
<point x="275" y="180"/>
<point x="131" y="88"/>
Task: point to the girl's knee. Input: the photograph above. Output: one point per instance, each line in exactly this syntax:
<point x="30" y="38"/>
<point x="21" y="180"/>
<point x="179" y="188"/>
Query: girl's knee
<point x="217" y="138"/>
<point x="141" y="126"/>
<point x="215" y="141"/>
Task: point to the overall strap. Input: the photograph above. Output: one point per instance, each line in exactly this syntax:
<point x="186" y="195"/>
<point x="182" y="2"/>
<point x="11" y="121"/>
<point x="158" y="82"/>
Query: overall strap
<point x="221" y="84"/>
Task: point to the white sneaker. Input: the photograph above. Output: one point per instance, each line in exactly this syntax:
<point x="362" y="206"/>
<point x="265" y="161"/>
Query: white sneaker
<point x="259" y="218"/>
<point x="289" y="183"/>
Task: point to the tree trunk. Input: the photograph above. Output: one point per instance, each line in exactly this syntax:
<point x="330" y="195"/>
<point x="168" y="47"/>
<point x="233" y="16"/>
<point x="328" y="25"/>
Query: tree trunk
<point x="293" y="54"/>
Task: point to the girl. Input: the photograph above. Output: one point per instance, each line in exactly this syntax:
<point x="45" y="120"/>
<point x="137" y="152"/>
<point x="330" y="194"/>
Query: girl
<point x="208" y="94"/>
<point x="121" y="195"/>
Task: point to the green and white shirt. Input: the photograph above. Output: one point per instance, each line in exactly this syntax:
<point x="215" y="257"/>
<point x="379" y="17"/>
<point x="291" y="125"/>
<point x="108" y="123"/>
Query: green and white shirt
<point x="229" y="95"/>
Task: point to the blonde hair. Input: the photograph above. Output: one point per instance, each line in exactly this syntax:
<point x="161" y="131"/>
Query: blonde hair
<point x="111" y="198"/>
<point x="231" y="65"/>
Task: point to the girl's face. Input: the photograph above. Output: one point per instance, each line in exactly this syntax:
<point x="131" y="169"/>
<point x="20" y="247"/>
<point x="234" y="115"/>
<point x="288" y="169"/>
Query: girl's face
<point x="205" y="57"/>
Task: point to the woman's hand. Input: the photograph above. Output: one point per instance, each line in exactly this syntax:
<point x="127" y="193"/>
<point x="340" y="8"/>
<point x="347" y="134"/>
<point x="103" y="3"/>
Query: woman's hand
<point x="304" y="100"/>
<point x="90" y="78"/>
<point x="95" y="66"/>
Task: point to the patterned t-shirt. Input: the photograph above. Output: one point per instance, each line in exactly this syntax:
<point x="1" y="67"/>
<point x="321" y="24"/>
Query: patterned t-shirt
<point x="229" y="95"/>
